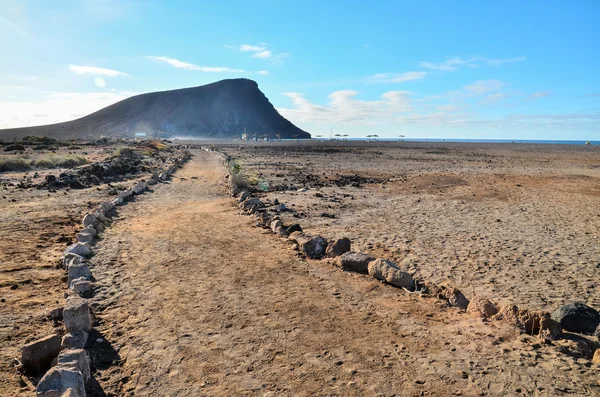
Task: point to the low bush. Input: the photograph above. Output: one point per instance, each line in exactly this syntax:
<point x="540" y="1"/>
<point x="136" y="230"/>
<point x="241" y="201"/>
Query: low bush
<point x="68" y="161"/>
<point x="124" y="152"/>
<point x="13" y="148"/>
<point x="14" y="164"/>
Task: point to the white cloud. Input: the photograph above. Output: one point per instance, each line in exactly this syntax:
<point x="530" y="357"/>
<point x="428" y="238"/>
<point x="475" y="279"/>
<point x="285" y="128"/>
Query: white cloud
<point x="253" y="48"/>
<point x="55" y="107"/>
<point x="344" y="108"/>
<point x="483" y="86"/>
<point x="456" y="63"/>
<point x="262" y="54"/>
<point x="82" y="70"/>
<point x="498" y="62"/>
<point x="99" y="82"/>
<point x="494" y="98"/>
<point x="190" y="66"/>
<point x="263" y="72"/>
<point x="538" y="95"/>
<point x="396" y="77"/>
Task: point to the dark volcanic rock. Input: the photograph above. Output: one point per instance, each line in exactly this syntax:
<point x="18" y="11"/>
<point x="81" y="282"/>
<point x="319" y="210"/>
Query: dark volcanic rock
<point x="356" y="262"/>
<point x="218" y="110"/>
<point x="577" y="317"/>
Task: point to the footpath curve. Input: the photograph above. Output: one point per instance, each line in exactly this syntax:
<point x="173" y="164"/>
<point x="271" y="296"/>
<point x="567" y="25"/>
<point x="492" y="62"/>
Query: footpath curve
<point x="193" y="300"/>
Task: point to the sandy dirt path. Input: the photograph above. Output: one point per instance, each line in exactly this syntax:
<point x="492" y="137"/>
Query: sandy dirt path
<point x="192" y="300"/>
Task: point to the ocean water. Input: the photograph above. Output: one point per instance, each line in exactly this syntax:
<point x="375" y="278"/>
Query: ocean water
<point x="541" y="141"/>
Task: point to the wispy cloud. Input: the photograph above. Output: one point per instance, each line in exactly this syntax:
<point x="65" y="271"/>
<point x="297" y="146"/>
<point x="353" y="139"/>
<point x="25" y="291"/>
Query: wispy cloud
<point x="263" y="54"/>
<point x="396" y="77"/>
<point x="494" y="98"/>
<point x="456" y="63"/>
<point x="190" y="66"/>
<point x="263" y="72"/>
<point x="262" y="51"/>
<point x="480" y="87"/>
<point x="15" y="28"/>
<point x="82" y="70"/>
<point x="100" y="82"/>
<point x="538" y="95"/>
<point x="253" y="48"/>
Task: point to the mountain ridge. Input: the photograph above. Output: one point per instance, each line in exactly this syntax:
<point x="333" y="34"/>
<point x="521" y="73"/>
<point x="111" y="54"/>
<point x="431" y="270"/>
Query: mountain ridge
<point x="223" y="109"/>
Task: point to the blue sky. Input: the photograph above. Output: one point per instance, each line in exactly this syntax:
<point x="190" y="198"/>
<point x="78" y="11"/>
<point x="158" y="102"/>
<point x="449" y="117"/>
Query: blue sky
<point x="436" y="69"/>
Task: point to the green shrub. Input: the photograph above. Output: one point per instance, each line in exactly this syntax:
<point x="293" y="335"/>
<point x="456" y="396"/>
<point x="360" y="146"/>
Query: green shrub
<point x="124" y="152"/>
<point x="68" y="161"/>
<point x="14" y="164"/>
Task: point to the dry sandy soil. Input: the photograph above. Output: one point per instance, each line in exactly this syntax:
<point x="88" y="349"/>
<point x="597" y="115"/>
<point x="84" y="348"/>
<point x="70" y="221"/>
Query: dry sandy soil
<point x="513" y="223"/>
<point x="191" y="299"/>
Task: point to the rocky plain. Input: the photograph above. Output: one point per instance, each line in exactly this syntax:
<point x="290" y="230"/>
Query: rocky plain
<point x="304" y="268"/>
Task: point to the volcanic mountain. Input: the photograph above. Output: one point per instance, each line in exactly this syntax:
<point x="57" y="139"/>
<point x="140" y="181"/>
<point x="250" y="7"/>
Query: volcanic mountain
<point x="219" y="110"/>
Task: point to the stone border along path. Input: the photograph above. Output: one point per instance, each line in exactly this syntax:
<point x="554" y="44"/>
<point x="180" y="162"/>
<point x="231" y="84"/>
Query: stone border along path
<point x="71" y="371"/>
<point x="535" y="323"/>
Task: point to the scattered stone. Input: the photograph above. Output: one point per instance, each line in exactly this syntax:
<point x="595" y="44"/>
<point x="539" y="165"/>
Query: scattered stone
<point x="293" y="228"/>
<point x="151" y="182"/>
<point x="313" y="246"/>
<point x="338" y="247"/>
<point x="81" y="249"/>
<point x="452" y="295"/>
<point x="81" y="286"/>
<point x="596" y="358"/>
<point x="50" y="178"/>
<point x="264" y="219"/>
<point x="75" y="340"/>
<point x="70" y="258"/>
<point x="388" y="271"/>
<point x="577" y="317"/>
<point x="482" y="307"/>
<point x="597" y="332"/>
<point x="78" y="359"/>
<point x="355" y="262"/>
<point x="89" y="229"/>
<point x="76" y="315"/>
<point x="244" y="194"/>
<point x="163" y="176"/>
<point x="77" y="271"/>
<point x="85" y="237"/>
<point x="58" y="380"/>
<point x="155" y="175"/>
<point x="37" y="356"/>
<point x="100" y="227"/>
<point x="88" y="220"/>
<point x="249" y="202"/>
<point x="530" y="322"/>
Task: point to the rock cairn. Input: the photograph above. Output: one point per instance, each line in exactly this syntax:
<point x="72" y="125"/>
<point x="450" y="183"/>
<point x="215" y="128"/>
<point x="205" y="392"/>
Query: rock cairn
<point x="573" y="317"/>
<point x="67" y="358"/>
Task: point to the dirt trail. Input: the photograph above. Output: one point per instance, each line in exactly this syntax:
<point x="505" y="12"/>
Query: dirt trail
<point x="192" y="300"/>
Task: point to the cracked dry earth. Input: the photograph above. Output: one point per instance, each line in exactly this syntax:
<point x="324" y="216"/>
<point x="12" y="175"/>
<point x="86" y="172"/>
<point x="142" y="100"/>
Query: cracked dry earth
<point x="192" y="300"/>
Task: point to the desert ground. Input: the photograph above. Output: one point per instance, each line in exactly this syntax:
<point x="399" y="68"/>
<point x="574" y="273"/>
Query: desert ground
<point x="191" y="298"/>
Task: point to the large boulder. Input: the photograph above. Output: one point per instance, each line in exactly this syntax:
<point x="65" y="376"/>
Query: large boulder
<point x="76" y="358"/>
<point x="577" y="317"/>
<point x="385" y="270"/>
<point x="338" y="247"/>
<point x="58" y="380"/>
<point x="37" y="356"/>
<point x="355" y="262"/>
<point x="313" y="246"/>
<point x="76" y="315"/>
<point x="81" y="249"/>
<point x="482" y="307"/>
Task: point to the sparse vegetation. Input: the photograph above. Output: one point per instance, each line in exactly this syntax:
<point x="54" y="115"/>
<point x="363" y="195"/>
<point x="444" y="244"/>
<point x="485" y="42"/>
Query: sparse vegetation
<point x="124" y="152"/>
<point x="14" y="148"/>
<point x="14" y="164"/>
<point x="68" y="161"/>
